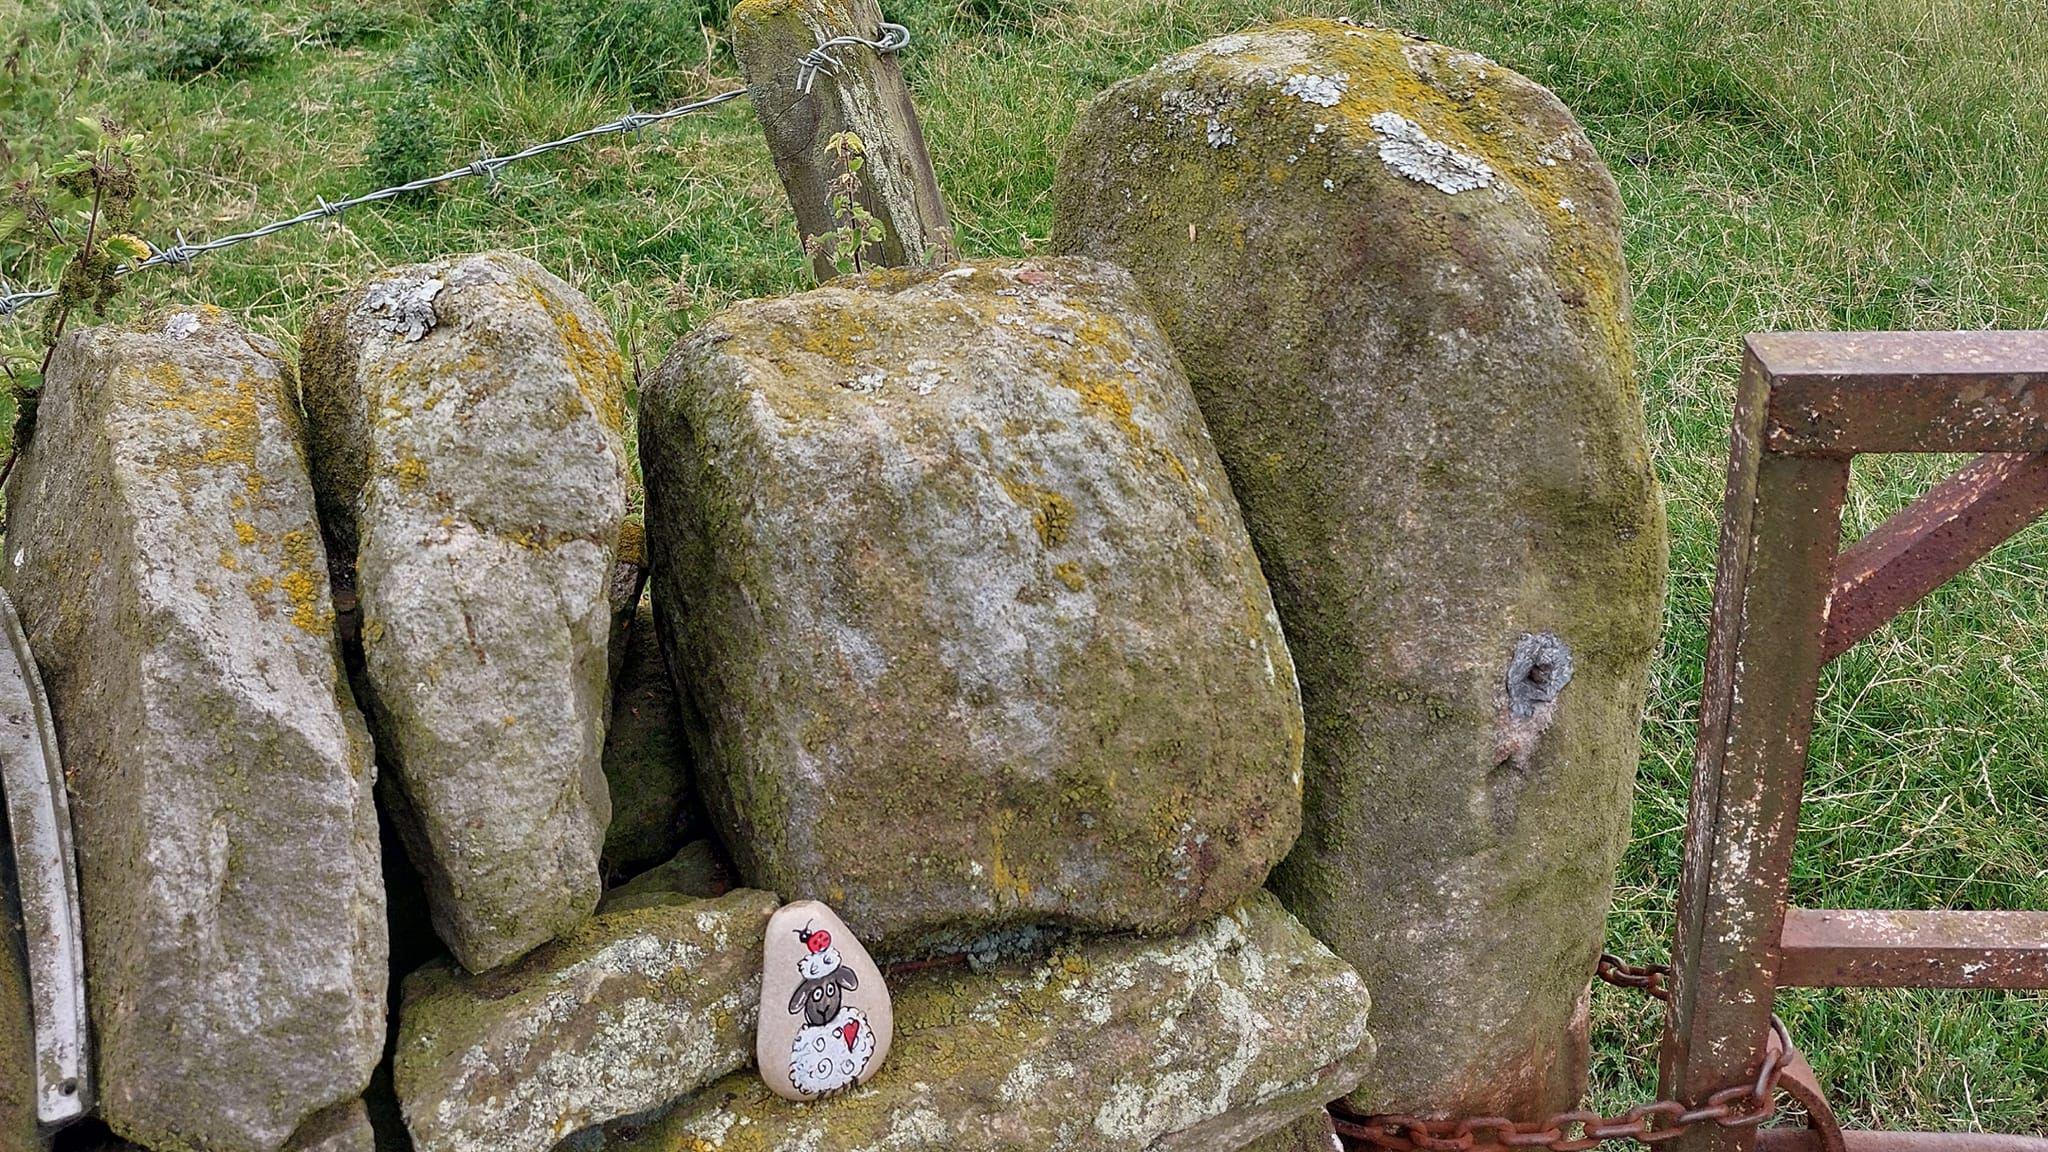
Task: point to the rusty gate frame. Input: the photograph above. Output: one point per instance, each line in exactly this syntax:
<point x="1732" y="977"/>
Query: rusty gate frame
<point x="1786" y="602"/>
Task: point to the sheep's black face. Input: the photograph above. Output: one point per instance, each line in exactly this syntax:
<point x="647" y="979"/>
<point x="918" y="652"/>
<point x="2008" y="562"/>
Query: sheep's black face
<point x="822" y="1004"/>
<point x="819" y="999"/>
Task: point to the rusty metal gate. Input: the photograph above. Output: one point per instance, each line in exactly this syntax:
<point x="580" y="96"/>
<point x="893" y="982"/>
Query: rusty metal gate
<point x="1788" y="599"/>
<point x="1785" y="603"/>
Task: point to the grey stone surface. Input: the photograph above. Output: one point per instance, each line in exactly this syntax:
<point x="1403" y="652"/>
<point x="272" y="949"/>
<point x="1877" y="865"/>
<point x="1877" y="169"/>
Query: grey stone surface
<point x="958" y="593"/>
<point x="629" y="1012"/>
<point x="646" y="757"/>
<point x="1201" y="1041"/>
<point x="465" y="423"/>
<point x="1393" y="271"/>
<point x="164" y="553"/>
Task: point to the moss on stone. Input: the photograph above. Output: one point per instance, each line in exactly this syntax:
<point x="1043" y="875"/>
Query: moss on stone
<point x="954" y="577"/>
<point x="1424" y="395"/>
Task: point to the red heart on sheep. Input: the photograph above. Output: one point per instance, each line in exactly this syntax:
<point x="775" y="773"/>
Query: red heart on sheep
<point x="850" y="1031"/>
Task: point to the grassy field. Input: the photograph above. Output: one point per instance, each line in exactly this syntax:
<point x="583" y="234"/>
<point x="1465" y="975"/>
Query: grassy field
<point x="1785" y="163"/>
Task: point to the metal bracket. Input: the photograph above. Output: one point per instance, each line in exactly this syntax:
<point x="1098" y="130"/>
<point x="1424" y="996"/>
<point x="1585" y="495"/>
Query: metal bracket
<point x="39" y="823"/>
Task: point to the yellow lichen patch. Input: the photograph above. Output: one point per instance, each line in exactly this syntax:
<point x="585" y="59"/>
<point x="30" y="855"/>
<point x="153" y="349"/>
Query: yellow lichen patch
<point x="410" y="470"/>
<point x="1004" y="881"/>
<point x="302" y="585"/>
<point x="1052" y="514"/>
<point x="1069" y="573"/>
<point x="228" y="561"/>
<point x="599" y="370"/>
<point x="632" y="547"/>
<point x="245" y="531"/>
<point x="225" y="411"/>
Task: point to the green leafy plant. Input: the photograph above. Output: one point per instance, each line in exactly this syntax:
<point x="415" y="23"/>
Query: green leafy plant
<point x="410" y="141"/>
<point x="213" y="36"/>
<point x="854" y="227"/>
<point x="72" y="221"/>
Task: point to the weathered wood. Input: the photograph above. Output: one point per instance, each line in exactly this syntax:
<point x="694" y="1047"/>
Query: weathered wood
<point x="1891" y="949"/>
<point x="864" y="95"/>
<point x="1776" y="567"/>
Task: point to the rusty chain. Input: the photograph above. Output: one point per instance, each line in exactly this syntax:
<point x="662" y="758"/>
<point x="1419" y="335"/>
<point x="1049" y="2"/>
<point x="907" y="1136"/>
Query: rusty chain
<point x="1738" y="1106"/>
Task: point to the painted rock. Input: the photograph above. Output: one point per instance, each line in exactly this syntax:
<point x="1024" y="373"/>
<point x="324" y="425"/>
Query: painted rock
<point x="825" y="1016"/>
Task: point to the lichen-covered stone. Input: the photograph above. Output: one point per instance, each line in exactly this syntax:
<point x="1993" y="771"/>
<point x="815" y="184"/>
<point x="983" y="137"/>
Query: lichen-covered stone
<point x="1393" y="270"/>
<point x="957" y="590"/>
<point x="646" y="757"/>
<point x="628" y="1012"/>
<point x="166" y="558"/>
<point x="1311" y="1133"/>
<point x="694" y="873"/>
<point x="466" y="422"/>
<point x="1115" y="1044"/>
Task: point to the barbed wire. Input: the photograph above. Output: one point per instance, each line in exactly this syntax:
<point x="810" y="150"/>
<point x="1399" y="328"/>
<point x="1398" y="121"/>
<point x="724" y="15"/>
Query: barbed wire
<point x="892" y="38"/>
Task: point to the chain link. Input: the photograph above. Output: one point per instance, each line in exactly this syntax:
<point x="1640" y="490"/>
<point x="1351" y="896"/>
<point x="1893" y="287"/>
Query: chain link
<point x="1738" y="1106"/>
<point x="892" y="38"/>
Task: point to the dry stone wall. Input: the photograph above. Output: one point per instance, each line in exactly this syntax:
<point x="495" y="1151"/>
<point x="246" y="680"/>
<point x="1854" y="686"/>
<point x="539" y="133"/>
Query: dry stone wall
<point x="959" y="621"/>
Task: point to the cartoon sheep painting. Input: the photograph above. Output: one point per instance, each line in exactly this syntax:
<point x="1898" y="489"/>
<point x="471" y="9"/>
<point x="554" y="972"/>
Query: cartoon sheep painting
<point x="834" y="1046"/>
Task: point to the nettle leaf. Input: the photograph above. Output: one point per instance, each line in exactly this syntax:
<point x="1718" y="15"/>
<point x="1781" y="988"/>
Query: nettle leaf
<point x="129" y="245"/>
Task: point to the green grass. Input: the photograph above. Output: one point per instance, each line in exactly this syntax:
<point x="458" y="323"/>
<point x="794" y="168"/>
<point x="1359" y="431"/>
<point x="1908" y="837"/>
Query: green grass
<point x="1785" y="163"/>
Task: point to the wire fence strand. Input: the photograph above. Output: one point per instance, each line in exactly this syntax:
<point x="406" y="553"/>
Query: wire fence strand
<point x="892" y="38"/>
<point x="484" y="168"/>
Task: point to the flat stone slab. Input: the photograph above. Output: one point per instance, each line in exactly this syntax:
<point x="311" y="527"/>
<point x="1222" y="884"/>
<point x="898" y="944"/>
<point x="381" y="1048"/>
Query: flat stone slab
<point x="629" y="1012"/>
<point x="1202" y="1041"/>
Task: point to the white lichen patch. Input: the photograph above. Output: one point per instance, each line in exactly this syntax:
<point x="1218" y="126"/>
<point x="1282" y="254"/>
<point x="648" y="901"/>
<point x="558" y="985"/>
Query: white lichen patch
<point x="402" y="308"/>
<point x="1566" y="206"/>
<point x="1410" y="151"/>
<point x="182" y="326"/>
<point x="1312" y="88"/>
<point x="1220" y="134"/>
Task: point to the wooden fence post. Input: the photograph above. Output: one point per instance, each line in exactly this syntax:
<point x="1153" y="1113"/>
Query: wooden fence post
<point x="865" y="94"/>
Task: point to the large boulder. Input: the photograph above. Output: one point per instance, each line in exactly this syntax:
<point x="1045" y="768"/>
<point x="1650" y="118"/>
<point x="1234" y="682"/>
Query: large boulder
<point x="963" y="608"/>
<point x="646" y="756"/>
<point x="466" y="419"/>
<point x="1193" y="1043"/>
<point x="631" y="1011"/>
<point x="166" y="558"/>
<point x="1393" y="270"/>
